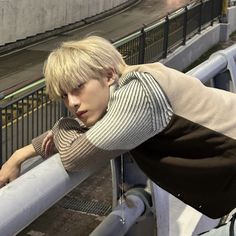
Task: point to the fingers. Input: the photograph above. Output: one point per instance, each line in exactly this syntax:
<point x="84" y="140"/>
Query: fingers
<point x="6" y="181"/>
<point x="48" y="148"/>
<point x="8" y="173"/>
<point x="47" y="142"/>
<point x="3" y="182"/>
<point x="48" y="136"/>
<point x="13" y="177"/>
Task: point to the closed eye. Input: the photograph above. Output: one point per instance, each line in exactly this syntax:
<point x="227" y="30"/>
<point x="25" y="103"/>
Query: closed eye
<point x="64" y="96"/>
<point x="80" y="85"/>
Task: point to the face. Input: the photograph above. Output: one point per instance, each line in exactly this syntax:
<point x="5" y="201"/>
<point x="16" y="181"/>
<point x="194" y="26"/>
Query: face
<point x="89" y="100"/>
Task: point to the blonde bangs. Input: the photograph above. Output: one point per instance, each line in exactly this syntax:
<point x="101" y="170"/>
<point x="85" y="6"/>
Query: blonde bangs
<point x="76" y="62"/>
<point x="63" y="72"/>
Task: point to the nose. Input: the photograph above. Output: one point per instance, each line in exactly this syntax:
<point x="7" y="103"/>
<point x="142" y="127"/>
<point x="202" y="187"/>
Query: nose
<point x="73" y="101"/>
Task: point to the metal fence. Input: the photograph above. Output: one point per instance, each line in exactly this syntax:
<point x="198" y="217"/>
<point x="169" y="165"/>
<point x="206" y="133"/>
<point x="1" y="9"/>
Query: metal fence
<point x="153" y="42"/>
<point x="25" y="116"/>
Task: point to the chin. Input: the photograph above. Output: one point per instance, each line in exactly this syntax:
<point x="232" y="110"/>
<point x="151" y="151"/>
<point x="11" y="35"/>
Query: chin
<point x="88" y="123"/>
<point x="91" y="122"/>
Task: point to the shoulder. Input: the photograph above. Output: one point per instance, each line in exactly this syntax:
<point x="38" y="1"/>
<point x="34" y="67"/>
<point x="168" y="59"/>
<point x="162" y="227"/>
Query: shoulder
<point x="145" y="73"/>
<point x="145" y="77"/>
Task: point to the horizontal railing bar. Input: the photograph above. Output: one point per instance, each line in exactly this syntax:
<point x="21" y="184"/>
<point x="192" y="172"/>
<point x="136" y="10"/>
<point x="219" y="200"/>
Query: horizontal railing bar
<point x="177" y="13"/>
<point x="30" y="195"/>
<point x="149" y="28"/>
<point x="25" y="88"/>
<point x="214" y="65"/>
<point x="208" y="69"/>
<point x="34" y="88"/>
<point x="127" y="39"/>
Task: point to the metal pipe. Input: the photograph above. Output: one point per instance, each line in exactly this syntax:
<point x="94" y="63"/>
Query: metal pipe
<point x="27" y="197"/>
<point x="208" y="69"/>
<point x="231" y="51"/>
<point x="214" y="65"/>
<point x="119" y="221"/>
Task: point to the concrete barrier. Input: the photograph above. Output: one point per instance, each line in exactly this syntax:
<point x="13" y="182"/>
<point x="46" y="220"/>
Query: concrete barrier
<point x="25" y="18"/>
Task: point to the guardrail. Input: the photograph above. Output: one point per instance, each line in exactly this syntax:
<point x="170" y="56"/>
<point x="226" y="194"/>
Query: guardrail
<point x="232" y="2"/>
<point x="25" y="115"/>
<point x="222" y="69"/>
<point x="35" y="195"/>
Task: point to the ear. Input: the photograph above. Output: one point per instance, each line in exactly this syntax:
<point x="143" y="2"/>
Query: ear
<point x="111" y="76"/>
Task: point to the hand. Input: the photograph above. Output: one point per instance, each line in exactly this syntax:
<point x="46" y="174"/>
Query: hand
<point x="9" y="171"/>
<point x="48" y="144"/>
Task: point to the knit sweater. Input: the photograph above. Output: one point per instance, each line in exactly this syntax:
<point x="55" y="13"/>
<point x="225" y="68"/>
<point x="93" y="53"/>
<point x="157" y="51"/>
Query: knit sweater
<point x="181" y="133"/>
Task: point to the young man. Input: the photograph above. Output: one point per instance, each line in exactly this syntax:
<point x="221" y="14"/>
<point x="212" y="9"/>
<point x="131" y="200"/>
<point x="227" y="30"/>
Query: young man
<point x="181" y="133"/>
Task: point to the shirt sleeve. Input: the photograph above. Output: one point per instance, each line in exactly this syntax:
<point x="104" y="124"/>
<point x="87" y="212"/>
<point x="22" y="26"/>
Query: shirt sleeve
<point x="38" y="141"/>
<point x="128" y="122"/>
<point x="37" y="144"/>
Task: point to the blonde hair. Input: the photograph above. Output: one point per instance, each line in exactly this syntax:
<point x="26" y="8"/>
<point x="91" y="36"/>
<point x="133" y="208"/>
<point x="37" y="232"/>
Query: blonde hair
<point x="76" y="62"/>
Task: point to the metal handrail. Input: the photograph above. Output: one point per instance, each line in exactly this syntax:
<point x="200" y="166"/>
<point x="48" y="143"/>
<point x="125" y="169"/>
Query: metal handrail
<point x="219" y="61"/>
<point x="35" y="193"/>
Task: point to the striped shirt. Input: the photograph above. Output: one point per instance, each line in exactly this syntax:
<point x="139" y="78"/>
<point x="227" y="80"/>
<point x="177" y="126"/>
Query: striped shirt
<point x="137" y="110"/>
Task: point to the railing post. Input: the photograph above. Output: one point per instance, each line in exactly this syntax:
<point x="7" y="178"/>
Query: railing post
<point x="185" y="24"/>
<point x="166" y="37"/>
<point x="212" y="12"/>
<point x="224" y="7"/>
<point x="200" y="17"/>
<point x="142" y="41"/>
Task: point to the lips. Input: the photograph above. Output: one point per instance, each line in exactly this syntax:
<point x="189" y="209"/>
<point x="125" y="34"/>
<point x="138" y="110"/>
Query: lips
<point x="81" y="114"/>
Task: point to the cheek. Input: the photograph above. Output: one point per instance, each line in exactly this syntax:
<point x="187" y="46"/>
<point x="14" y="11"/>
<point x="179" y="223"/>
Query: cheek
<point x="66" y="103"/>
<point x="104" y="98"/>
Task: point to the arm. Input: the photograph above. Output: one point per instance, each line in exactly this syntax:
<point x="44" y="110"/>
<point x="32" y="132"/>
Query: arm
<point x="11" y="169"/>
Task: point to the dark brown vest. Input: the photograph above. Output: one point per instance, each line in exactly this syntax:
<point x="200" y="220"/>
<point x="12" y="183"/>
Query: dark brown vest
<point x="195" y="164"/>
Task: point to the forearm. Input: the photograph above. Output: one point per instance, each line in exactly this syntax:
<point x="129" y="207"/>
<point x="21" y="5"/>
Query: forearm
<point x="11" y="169"/>
<point x="22" y="154"/>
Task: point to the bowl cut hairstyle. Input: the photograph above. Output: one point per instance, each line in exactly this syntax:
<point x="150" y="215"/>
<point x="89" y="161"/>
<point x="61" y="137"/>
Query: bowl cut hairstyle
<point x="76" y="62"/>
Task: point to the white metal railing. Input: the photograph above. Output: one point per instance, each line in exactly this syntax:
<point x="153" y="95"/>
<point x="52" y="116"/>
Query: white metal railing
<point x="27" y="197"/>
<point x="218" y="62"/>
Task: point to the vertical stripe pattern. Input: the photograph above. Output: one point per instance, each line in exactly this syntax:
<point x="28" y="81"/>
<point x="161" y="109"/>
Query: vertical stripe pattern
<point x="137" y="110"/>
